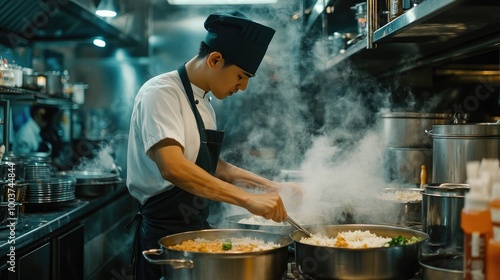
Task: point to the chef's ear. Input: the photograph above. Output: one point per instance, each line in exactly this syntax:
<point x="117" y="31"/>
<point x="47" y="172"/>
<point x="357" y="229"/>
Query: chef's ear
<point x="214" y="58"/>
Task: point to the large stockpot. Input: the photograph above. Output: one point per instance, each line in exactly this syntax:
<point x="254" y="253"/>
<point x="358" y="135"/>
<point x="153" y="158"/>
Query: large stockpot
<point x="262" y="265"/>
<point x="407" y="129"/>
<point x="395" y="262"/>
<point x="441" y="211"/>
<point x="455" y="145"/>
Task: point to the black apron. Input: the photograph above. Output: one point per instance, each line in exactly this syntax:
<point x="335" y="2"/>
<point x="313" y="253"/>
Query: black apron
<point x="175" y="210"/>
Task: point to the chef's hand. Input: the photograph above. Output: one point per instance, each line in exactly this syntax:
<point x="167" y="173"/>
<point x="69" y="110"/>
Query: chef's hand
<point x="267" y="205"/>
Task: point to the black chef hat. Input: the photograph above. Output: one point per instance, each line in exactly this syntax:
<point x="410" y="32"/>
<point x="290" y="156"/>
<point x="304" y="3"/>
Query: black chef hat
<point x="239" y="39"/>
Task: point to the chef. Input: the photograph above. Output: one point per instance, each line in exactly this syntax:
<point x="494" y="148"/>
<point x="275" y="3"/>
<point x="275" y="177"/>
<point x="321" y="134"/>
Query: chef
<point x="28" y="138"/>
<point x="174" y="170"/>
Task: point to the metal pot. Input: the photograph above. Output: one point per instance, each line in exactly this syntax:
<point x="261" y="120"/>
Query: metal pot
<point x="403" y="165"/>
<point x="94" y="183"/>
<point x="441" y="210"/>
<point x="395" y="262"/>
<point x="455" y="145"/>
<point x="404" y="213"/>
<point x="179" y="265"/>
<point x="53" y="83"/>
<point x="407" y="129"/>
<point x="448" y="267"/>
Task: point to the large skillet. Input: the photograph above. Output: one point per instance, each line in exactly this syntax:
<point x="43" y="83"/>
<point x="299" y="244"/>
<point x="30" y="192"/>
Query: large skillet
<point x="395" y="262"/>
<point x="268" y="264"/>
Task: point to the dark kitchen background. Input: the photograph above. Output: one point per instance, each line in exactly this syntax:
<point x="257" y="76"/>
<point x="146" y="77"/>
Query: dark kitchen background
<point x="315" y="105"/>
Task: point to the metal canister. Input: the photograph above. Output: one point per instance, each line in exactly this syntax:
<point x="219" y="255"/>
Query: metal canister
<point x="456" y="144"/>
<point x="441" y="211"/>
<point x="361" y="12"/>
<point x="395" y="8"/>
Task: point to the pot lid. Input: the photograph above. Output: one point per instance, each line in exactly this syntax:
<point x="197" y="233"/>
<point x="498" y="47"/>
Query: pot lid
<point x="447" y="189"/>
<point x="478" y="130"/>
<point x="415" y="115"/>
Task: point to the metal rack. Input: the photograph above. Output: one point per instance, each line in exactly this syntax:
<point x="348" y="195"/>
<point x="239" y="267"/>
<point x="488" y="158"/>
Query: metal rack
<point x="433" y="32"/>
<point x="10" y="95"/>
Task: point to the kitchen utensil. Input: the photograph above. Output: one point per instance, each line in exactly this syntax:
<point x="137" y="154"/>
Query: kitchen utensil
<point x="268" y="264"/>
<point x="296" y="225"/>
<point x="395" y="262"/>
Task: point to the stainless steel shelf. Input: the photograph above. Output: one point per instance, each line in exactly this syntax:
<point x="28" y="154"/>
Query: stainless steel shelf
<point x="20" y="95"/>
<point x="349" y="52"/>
<point x="435" y="32"/>
<point x="414" y="16"/>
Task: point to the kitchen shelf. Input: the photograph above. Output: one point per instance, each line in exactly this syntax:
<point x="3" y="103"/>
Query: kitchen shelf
<point x="35" y="20"/>
<point x="20" y="95"/>
<point x="432" y="33"/>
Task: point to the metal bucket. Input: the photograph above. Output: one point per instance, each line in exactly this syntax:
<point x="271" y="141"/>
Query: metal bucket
<point x="441" y="210"/>
<point x="455" y="145"/>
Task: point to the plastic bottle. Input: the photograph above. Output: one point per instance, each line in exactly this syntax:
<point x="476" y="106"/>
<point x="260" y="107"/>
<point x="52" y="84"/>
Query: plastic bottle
<point x="476" y="225"/>
<point x="493" y="249"/>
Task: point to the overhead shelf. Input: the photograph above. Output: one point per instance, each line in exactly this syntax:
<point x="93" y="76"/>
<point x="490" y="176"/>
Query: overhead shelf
<point x="20" y="95"/>
<point x="435" y="31"/>
<point x="36" y="20"/>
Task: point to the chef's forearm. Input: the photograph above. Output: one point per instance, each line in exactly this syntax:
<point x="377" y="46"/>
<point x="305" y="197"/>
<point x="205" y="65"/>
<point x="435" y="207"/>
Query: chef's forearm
<point x="195" y="180"/>
<point x="241" y="177"/>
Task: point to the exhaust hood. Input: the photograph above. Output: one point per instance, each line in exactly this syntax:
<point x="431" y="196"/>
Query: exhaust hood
<point x="35" y="20"/>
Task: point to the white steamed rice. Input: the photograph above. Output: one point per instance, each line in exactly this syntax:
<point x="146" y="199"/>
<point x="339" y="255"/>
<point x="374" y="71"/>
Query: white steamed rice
<point x="402" y="196"/>
<point x="348" y="239"/>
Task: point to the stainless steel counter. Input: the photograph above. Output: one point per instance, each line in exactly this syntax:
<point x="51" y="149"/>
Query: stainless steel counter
<point x="39" y="221"/>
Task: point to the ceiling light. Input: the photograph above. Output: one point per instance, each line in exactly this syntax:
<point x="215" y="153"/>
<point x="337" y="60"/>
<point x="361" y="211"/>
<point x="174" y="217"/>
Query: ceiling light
<point x="107" y="8"/>
<point x="220" y="2"/>
<point x="99" y="42"/>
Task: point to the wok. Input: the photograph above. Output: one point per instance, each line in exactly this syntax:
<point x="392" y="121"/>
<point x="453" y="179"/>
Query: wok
<point x="395" y="262"/>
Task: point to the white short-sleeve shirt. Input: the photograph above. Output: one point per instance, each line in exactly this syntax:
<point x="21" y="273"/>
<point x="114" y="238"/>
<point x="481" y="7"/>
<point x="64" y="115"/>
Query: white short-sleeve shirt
<point x="162" y="110"/>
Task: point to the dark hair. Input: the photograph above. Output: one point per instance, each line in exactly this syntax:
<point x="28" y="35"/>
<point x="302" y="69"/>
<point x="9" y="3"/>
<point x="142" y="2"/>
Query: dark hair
<point x="206" y="50"/>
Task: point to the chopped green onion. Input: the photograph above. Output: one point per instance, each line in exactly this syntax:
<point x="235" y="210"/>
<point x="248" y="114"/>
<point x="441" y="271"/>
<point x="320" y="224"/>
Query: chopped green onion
<point x="227" y="246"/>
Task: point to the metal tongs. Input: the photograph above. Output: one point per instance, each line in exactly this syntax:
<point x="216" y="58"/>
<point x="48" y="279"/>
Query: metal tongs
<point x="296" y="225"/>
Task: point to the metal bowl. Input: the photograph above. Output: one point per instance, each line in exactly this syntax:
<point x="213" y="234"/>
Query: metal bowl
<point x="270" y="226"/>
<point x="395" y="262"/>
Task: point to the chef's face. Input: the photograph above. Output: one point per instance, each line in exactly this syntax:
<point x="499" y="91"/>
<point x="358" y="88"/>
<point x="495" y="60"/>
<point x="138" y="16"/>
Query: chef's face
<point x="227" y="80"/>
